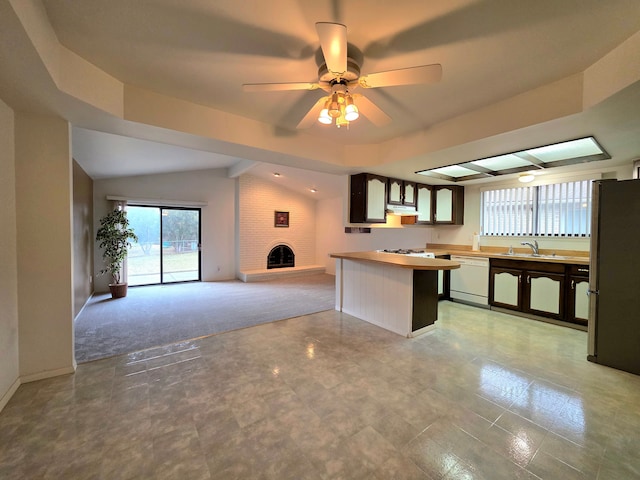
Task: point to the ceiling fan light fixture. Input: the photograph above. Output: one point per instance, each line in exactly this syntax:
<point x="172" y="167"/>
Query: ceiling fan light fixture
<point x="350" y="110"/>
<point x="324" y="117"/>
<point x="334" y="105"/>
<point x="342" y="122"/>
<point x="526" y="177"/>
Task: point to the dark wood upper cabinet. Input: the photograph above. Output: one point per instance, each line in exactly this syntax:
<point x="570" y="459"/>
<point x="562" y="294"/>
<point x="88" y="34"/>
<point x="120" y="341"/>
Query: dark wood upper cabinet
<point x="435" y="204"/>
<point x="395" y="192"/>
<point x="368" y="198"/>
<point x="448" y="204"/>
<point x="409" y="193"/>
<point x="401" y="192"/>
<point x="440" y="204"/>
<point x="424" y="204"/>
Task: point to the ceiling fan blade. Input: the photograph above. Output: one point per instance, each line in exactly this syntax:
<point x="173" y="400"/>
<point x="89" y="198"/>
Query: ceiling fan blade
<point x="312" y="115"/>
<point x="279" y="87"/>
<point x="403" y="76"/>
<point x="371" y="111"/>
<point x="333" y="41"/>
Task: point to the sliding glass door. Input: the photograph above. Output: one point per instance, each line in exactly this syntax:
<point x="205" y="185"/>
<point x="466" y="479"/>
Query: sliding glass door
<point x="168" y="246"/>
<point x="180" y="259"/>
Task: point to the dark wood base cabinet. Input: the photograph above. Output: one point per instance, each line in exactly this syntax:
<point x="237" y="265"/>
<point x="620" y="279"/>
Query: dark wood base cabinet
<point x="444" y="280"/>
<point x="577" y="298"/>
<point x="544" y="289"/>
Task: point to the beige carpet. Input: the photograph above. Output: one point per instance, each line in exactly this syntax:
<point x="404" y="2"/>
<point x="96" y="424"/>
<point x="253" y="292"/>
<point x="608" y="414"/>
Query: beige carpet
<point x="156" y="315"/>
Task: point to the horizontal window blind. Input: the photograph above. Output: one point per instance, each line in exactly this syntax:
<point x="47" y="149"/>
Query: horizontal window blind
<point x="561" y="209"/>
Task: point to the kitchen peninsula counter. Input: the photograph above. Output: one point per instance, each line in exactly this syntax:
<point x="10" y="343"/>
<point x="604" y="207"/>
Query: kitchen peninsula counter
<point x="399" y="260"/>
<point x="394" y="291"/>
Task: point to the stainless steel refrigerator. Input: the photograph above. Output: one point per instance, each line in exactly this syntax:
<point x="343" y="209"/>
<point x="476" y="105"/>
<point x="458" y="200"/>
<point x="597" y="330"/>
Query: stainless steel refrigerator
<point x="614" y="275"/>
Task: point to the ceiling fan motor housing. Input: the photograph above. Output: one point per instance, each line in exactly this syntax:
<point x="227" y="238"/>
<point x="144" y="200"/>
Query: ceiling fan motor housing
<point x="352" y="73"/>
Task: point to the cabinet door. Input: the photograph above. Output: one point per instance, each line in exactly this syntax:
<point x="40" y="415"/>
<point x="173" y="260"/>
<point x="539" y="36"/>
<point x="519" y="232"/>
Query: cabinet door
<point x="449" y="204"/>
<point x="368" y="198"/>
<point x="376" y="200"/>
<point x="578" y="301"/>
<point x="409" y="193"/>
<point x="505" y="288"/>
<point x="545" y="294"/>
<point x="395" y="191"/>
<point x="423" y="203"/>
<point x="444" y="205"/>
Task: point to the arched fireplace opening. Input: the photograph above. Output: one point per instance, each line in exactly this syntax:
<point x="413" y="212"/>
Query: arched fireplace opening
<point x="281" y="256"/>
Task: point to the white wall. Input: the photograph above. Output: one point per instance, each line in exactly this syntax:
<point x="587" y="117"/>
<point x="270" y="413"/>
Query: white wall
<point x="82" y="238"/>
<point x="218" y="217"/>
<point x="44" y="246"/>
<point x="9" y="367"/>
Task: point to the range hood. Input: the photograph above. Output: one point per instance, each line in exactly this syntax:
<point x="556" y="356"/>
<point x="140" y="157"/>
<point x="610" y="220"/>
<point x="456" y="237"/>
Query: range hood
<point x="401" y="210"/>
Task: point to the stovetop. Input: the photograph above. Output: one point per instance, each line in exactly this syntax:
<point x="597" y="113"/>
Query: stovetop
<point x="401" y="251"/>
<point x="408" y="251"/>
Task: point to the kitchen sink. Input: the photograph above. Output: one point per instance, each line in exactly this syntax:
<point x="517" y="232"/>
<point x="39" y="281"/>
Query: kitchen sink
<point x="533" y="255"/>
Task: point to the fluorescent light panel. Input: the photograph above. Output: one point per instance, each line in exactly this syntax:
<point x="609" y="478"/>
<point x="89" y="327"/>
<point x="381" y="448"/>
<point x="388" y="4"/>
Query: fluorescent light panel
<point x="582" y="147"/>
<point x="454" y="171"/>
<point x="581" y="150"/>
<point x="502" y="162"/>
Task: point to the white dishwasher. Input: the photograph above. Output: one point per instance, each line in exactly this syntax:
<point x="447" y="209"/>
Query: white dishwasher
<point x="470" y="282"/>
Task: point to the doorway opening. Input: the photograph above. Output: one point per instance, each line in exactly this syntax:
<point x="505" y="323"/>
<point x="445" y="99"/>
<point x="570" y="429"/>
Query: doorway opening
<point x="168" y="246"/>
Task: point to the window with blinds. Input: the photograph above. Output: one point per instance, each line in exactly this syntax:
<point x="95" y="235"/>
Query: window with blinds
<point x="560" y="210"/>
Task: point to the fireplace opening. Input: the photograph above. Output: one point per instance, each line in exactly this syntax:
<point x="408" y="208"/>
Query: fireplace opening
<point x="280" y="256"/>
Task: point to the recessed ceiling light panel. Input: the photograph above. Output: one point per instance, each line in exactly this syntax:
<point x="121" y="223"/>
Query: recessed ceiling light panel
<point x="581" y="150"/>
<point x="583" y="147"/>
<point x="502" y="162"/>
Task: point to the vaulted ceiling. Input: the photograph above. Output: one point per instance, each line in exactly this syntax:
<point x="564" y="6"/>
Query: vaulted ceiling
<point x="134" y="76"/>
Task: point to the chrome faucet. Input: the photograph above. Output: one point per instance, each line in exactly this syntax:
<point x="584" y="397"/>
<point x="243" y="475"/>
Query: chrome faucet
<point x="534" y="246"/>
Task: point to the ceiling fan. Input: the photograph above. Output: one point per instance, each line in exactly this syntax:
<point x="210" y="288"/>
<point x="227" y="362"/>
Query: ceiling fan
<point x="339" y="75"/>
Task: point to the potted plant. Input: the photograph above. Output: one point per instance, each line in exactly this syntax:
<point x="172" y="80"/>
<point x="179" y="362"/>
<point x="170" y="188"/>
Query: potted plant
<point x="115" y="237"/>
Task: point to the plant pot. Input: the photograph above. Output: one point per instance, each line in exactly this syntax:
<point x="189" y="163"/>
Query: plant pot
<point x="118" y="290"/>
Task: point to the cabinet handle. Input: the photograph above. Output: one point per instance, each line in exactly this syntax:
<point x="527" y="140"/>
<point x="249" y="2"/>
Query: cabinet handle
<point x="583" y="269"/>
<point x="573" y="284"/>
<point x="528" y="279"/>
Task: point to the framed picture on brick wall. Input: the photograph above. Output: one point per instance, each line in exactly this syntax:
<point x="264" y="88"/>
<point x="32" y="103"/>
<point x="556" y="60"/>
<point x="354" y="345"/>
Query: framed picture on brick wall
<point x="281" y="219"/>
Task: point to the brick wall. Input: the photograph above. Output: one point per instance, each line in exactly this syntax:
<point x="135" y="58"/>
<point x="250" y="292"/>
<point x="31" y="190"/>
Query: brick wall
<point x="258" y="200"/>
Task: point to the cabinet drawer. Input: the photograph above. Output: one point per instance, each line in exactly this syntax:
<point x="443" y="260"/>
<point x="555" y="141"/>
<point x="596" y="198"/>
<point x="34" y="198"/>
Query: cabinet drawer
<point x="528" y="265"/>
<point x="582" y="270"/>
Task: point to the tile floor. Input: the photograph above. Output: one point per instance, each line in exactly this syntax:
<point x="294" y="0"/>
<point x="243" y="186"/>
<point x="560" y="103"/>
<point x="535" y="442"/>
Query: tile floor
<point x="326" y="396"/>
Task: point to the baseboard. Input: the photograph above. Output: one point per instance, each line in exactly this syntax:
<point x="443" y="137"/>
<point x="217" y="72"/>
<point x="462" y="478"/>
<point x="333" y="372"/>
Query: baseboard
<point x="274" y="273"/>
<point x="85" y="304"/>
<point x="34" y="377"/>
<point x="471" y="303"/>
<point x="423" y="330"/>
<point x="539" y="318"/>
<point x="7" y="396"/>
